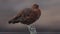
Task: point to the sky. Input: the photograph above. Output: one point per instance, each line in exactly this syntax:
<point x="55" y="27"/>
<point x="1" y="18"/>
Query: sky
<point x="50" y="13"/>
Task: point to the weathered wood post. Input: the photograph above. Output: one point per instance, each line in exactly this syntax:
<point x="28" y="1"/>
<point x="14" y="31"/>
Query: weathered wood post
<point x="31" y="29"/>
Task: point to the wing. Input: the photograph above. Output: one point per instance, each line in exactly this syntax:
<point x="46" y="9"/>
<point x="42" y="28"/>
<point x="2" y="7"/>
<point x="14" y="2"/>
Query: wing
<point x="16" y="18"/>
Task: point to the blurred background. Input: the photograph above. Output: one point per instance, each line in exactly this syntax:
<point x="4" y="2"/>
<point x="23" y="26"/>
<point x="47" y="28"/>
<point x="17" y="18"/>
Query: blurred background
<point x="48" y="22"/>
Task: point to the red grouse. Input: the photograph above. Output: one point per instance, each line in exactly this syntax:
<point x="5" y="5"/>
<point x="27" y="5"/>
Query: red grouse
<point x="27" y="16"/>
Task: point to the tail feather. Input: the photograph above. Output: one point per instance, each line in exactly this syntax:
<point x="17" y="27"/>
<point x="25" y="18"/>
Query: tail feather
<point x="14" y="20"/>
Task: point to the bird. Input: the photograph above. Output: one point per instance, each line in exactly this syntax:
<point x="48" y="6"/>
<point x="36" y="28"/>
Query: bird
<point x="27" y="15"/>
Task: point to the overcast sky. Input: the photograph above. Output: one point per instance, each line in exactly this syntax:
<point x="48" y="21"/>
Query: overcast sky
<point x="50" y="10"/>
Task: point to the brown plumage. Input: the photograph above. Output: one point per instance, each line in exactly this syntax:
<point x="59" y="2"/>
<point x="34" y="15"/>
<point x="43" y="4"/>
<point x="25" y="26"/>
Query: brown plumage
<point x="27" y="15"/>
